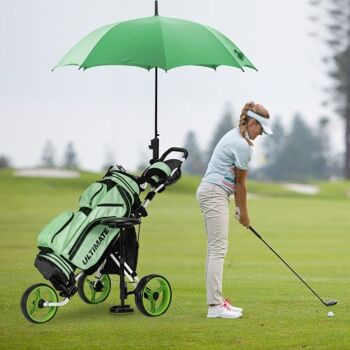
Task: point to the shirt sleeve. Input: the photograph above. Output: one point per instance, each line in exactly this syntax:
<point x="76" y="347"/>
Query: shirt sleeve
<point x="243" y="154"/>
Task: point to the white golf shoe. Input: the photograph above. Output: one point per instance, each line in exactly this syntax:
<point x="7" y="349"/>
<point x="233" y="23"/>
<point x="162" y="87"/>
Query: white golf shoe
<point x="223" y="311"/>
<point x="231" y="307"/>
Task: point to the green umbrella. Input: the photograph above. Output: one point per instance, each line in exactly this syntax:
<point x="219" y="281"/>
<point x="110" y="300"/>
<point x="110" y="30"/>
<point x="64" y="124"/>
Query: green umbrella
<point x="156" y="42"/>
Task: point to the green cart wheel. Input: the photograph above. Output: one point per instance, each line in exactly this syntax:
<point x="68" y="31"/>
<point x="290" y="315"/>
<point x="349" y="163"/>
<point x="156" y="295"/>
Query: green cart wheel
<point x="153" y="295"/>
<point x="32" y="303"/>
<point x="92" y="290"/>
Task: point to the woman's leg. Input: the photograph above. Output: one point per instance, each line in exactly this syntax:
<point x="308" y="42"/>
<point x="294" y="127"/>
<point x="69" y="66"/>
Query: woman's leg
<point x="214" y="206"/>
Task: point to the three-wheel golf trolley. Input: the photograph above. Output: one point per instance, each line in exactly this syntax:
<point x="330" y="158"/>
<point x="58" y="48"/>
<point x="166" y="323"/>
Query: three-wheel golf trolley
<point x="100" y="240"/>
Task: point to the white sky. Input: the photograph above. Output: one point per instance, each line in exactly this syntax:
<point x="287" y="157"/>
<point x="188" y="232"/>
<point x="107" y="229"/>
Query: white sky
<point x="112" y="108"/>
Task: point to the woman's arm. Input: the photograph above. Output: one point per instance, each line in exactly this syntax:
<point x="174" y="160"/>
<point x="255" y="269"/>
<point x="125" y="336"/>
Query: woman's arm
<point x="241" y="196"/>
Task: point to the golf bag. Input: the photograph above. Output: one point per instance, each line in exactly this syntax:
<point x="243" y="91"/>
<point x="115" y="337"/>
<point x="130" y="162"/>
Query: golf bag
<point x="100" y="240"/>
<point x="79" y="240"/>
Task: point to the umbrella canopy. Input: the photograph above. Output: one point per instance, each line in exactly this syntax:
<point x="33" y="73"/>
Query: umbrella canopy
<point x="156" y="42"/>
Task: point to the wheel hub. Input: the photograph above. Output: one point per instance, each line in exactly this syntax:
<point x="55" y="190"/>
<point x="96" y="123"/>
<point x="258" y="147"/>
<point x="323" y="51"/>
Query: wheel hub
<point x="155" y="296"/>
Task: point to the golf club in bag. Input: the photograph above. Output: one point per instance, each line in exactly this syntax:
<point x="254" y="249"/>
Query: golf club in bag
<point x="326" y="303"/>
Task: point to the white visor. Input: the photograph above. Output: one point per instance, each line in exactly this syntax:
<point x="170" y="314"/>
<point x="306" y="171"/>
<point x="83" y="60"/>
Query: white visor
<point x="264" y="122"/>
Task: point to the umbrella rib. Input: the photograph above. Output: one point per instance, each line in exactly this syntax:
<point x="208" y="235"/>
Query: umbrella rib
<point x="214" y="33"/>
<point x="162" y="39"/>
<point x="87" y="56"/>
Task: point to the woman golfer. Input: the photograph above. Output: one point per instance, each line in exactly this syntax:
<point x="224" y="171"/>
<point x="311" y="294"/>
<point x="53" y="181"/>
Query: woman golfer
<point x="226" y="175"/>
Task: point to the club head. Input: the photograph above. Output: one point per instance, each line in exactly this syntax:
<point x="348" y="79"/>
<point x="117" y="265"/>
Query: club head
<point x="331" y="303"/>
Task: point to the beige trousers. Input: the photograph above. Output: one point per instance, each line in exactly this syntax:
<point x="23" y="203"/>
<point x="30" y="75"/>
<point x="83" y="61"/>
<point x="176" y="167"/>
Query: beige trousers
<point x="214" y="204"/>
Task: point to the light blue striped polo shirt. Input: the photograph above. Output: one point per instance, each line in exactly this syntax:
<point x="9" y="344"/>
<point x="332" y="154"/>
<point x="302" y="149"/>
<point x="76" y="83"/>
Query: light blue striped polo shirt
<point x="232" y="152"/>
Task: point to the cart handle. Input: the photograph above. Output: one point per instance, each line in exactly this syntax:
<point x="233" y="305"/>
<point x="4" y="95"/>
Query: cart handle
<point x="174" y="149"/>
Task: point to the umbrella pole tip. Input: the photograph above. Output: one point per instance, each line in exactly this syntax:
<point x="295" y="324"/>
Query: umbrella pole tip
<point x="156" y="7"/>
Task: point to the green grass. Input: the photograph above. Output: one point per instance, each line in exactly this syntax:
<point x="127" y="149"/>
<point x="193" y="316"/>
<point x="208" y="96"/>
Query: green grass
<point x="311" y="233"/>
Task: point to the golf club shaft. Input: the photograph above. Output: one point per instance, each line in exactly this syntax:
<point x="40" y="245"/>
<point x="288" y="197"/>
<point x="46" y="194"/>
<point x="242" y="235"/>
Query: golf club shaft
<point x="258" y="235"/>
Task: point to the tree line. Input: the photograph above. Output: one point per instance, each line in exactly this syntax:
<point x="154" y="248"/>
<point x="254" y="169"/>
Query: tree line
<point x="331" y="27"/>
<point x="69" y="160"/>
<point x="49" y="159"/>
<point x="300" y="153"/>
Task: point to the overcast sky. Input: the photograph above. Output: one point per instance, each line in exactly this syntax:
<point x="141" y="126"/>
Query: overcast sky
<point x="111" y="109"/>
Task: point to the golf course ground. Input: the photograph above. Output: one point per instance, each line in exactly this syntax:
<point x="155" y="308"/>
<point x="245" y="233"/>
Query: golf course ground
<point x="312" y="233"/>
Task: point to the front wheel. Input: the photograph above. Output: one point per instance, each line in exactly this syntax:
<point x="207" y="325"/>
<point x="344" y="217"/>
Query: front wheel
<point x="32" y="303"/>
<point x="92" y="290"/>
<point x="153" y="295"/>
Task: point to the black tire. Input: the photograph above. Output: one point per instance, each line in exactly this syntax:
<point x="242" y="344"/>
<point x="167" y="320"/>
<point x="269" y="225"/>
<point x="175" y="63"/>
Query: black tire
<point x="153" y="295"/>
<point x="86" y="285"/>
<point x="32" y="303"/>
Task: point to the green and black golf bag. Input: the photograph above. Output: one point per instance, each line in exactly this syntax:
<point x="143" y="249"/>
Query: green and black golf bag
<point x="80" y="239"/>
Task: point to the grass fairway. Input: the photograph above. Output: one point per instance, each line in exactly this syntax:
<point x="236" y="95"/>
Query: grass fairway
<point x="312" y="234"/>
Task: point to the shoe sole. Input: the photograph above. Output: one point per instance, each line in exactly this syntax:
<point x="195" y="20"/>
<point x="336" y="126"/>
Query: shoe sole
<point x="222" y="316"/>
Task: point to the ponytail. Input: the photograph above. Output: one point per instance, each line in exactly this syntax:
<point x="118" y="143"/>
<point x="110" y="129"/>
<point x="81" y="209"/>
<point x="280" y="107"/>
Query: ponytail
<point x="243" y="121"/>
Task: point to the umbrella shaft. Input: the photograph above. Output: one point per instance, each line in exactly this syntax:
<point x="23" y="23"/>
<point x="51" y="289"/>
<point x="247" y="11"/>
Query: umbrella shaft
<point x="156" y="8"/>
<point x="156" y="104"/>
<point x="156" y="140"/>
<point x="154" y="146"/>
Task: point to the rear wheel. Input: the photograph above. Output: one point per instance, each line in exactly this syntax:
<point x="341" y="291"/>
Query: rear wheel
<point x="92" y="290"/>
<point x="153" y="295"/>
<point x="32" y="303"/>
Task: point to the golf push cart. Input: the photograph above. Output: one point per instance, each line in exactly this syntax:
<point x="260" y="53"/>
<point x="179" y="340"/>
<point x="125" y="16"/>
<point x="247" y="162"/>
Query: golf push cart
<point x="78" y="251"/>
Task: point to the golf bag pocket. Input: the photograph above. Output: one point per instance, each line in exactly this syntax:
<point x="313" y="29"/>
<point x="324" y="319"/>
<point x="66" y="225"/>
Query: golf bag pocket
<point x="60" y="230"/>
<point x="92" y="195"/>
<point x="58" y="225"/>
<point x="57" y="270"/>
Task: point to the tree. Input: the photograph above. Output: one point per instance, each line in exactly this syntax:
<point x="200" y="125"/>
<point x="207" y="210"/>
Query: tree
<point x="194" y="164"/>
<point x="273" y="146"/>
<point x="336" y="25"/>
<point x="4" y="162"/>
<point x="323" y="154"/>
<point x="299" y="155"/>
<point x="225" y="124"/>
<point x="336" y="166"/>
<point x="48" y="155"/>
<point x="70" y="159"/>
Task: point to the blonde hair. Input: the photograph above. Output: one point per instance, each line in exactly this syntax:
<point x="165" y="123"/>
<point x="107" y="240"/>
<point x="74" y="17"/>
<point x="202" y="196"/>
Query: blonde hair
<point x="244" y="118"/>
